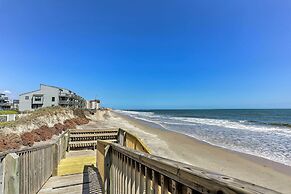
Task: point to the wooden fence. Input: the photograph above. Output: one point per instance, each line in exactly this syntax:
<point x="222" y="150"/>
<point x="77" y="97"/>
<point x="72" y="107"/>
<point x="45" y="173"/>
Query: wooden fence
<point x="129" y="171"/>
<point x="25" y="171"/>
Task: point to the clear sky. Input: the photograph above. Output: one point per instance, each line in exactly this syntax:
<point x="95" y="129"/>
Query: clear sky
<point x="151" y="53"/>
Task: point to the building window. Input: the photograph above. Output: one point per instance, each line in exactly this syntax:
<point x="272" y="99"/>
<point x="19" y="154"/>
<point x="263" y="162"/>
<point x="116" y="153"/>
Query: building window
<point x="26" y="97"/>
<point x="53" y="99"/>
<point x="37" y="98"/>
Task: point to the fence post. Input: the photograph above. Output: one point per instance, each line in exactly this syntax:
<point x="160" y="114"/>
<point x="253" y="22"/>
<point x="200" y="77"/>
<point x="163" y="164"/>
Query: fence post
<point x="107" y="169"/>
<point x="55" y="159"/>
<point x="67" y="138"/>
<point x="11" y="174"/>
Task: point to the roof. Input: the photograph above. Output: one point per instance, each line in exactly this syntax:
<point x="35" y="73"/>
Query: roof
<point x="54" y="87"/>
<point x="98" y="101"/>
<point x="47" y="86"/>
<point x="28" y="92"/>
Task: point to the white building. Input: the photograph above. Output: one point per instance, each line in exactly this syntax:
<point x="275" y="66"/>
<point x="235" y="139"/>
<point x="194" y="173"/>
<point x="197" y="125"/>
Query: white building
<point x="5" y="103"/>
<point x="93" y="104"/>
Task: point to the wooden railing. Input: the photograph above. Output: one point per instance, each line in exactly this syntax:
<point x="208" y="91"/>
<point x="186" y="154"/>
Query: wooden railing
<point x="129" y="140"/>
<point x="128" y="171"/>
<point x="25" y="171"/>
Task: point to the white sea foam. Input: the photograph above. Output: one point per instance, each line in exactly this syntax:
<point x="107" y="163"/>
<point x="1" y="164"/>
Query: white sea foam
<point x="243" y="125"/>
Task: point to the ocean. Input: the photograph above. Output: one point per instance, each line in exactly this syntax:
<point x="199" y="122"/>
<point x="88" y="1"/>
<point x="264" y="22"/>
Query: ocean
<point x="263" y="133"/>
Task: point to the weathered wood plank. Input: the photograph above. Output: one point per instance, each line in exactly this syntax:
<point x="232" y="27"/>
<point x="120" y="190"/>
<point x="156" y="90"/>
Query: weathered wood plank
<point x="173" y="187"/>
<point x="186" y="190"/>
<point x="129" y="179"/>
<point x="142" y="179"/>
<point x="123" y="174"/>
<point x="155" y="184"/>
<point x="126" y="176"/>
<point x="133" y="176"/>
<point x="137" y="178"/>
<point x="148" y="180"/>
<point x="11" y="174"/>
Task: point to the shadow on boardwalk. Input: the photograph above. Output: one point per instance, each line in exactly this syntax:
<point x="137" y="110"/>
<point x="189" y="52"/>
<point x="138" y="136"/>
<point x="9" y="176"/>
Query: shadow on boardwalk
<point x="92" y="182"/>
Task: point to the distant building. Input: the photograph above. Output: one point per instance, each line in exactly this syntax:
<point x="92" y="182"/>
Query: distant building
<point x="48" y="96"/>
<point x="93" y="104"/>
<point x="5" y="104"/>
<point x="15" y="104"/>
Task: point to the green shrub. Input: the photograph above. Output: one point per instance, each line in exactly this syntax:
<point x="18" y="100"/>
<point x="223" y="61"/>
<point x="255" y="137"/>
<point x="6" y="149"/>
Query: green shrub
<point x="7" y="112"/>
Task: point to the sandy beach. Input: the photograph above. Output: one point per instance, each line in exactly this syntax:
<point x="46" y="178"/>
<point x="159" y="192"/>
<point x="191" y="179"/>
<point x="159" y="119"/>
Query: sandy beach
<point x="186" y="149"/>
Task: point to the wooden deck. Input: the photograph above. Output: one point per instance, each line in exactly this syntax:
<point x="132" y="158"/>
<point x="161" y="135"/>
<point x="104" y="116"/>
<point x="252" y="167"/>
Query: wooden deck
<point x="77" y="174"/>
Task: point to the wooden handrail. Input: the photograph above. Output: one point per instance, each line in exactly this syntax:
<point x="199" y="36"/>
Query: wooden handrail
<point x="128" y="169"/>
<point x="128" y="139"/>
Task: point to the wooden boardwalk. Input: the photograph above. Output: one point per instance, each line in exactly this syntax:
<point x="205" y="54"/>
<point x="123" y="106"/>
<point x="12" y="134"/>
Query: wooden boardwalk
<point x="77" y="174"/>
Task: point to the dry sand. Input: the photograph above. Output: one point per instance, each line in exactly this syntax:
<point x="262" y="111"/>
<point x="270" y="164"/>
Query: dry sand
<point x="186" y="149"/>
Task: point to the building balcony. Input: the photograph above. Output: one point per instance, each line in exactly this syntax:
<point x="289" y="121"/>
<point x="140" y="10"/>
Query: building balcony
<point x="37" y="102"/>
<point x="3" y="98"/>
<point x="68" y="95"/>
<point x="5" y="104"/>
<point x="66" y="102"/>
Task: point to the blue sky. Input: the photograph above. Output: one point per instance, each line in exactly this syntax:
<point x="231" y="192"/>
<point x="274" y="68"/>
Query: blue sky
<point x="149" y="53"/>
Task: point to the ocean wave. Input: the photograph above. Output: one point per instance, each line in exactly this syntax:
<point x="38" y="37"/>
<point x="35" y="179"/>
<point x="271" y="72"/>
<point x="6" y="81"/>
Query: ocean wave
<point x="244" y="125"/>
<point x="282" y="124"/>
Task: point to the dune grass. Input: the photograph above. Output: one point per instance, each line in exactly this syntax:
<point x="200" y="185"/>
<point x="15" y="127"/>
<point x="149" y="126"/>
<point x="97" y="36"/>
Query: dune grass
<point x="7" y="112"/>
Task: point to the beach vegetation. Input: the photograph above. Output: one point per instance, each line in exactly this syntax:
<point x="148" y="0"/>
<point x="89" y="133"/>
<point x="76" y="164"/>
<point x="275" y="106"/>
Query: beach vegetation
<point x="7" y="112"/>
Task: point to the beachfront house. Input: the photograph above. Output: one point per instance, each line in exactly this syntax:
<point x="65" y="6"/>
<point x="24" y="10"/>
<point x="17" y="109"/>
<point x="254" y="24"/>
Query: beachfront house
<point x="93" y="104"/>
<point x="48" y="96"/>
<point x="5" y="104"/>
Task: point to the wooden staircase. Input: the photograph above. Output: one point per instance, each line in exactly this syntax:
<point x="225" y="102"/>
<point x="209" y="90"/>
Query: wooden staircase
<point x="80" y="138"/>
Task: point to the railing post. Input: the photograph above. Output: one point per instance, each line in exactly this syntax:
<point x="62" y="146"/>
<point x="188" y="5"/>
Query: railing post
<point x="126" y="175"/>
<point x="68" y="141"/>
<point x="148" y="180"/>
<point x="129" y="179"/>
<point x="186" y="190"/>
<point x="137" y="178"/>
<point x="155" y="184"/>
<point x="142" y="179"/>
<point x="164" y="185"/>
<point x="133" y="176"/>
<point x="107" y="169"/>
<point x="173" y="186"/>
<point x="55" y="159"/>
<point x="11" y="174"/>
<point x="113" y="174"/>
<point x="123" y="174"/>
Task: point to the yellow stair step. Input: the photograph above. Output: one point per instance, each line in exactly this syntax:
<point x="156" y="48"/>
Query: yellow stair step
<point x="74" y="165"/>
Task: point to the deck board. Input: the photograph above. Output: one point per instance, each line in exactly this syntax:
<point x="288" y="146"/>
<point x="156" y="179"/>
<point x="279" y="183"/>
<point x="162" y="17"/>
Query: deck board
<point x="84" y="183"/>
<point x="87" y="181"/>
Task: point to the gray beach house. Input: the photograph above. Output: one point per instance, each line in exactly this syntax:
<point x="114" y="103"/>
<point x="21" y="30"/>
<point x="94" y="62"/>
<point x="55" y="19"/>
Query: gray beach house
<point x="48" y="96"/>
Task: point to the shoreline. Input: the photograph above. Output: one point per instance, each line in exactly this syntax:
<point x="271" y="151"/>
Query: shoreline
<point x="187" y="149"/>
